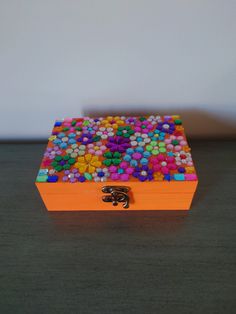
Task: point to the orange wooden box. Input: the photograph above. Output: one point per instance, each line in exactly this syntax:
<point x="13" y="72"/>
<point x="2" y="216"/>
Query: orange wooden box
<point x="117" y="163"/>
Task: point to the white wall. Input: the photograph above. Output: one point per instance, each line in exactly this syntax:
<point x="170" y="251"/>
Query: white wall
<point x="70" y="57"/>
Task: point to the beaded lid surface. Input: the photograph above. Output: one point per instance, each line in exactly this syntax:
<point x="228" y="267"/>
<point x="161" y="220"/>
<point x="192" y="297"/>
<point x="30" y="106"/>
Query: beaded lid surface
<point x="117" y="148"/>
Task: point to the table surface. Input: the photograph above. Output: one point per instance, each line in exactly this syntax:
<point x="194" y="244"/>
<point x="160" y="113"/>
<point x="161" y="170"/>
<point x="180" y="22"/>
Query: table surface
<point x="118" y="262"/>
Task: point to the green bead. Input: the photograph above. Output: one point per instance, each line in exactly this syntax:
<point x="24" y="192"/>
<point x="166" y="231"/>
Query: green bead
<point x="73" y="123"/>
<point x="107" y="162"/>
<point x="88" y="176"/>
<point x="66" y="157"/>
<point x="178" y="122"/>
<point x="175" y="142"/>
<point x="143" y="126"/>
<point x="96" y="138"/>
<point x="58" y="168"/>
<point x="71" y="161"/>
<point x="131" y="132"/>
<point x="58" y="158"/>
<point x="162" y="150"/>
<point x="116" y="161"/>
<point x="66" y="167"/>
<point x="66" y="129"/>
<point x="86" y="122"/>
<point x="78" y="128"/>
<point x="142" y="119"/>
<point x="119" y="133"/>
<point x="54" y="164"/>
<point x="126" y="135"/>
<point x="153" y="143"/>
<point x="116" y="155"/>
<point x="155" y="152"/>
<point x="149" y="148"/>
<point x="120" y="128"/>
<point x="161" y="144"/>
<point x="42" y="178"/>
<point x="108" y="155"/>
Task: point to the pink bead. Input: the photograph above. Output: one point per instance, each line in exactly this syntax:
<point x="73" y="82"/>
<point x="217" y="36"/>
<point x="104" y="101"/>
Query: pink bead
<point x="177" y="148"/>
<point x="190" y="163"/>
<point x="190" y="177"/>
<point x="124" y="177"/>
<point x="180" y="138"/>
<point x="137" y="156"/>
<point x="91" y="151"/>
<point x="156" y="167"/>
<point x="112" y="168"/>
<point x="123" y="164"/>
<point x="170" y="159"/>
<point x="168" y="141"/>
<point x="183" y="143"/>
<point x="137" y="129"/>
<point x="170" y="146"/>
<point x="98" y="153"/>
<point x="129" y="170"/>
<point x="90" y="146"/>
<point x="164" y="170"/>
<point x="172" y="166"/>
<point x="173" y="137"/>
<point x="115" y="176"/>
<point x="161" y="157"/>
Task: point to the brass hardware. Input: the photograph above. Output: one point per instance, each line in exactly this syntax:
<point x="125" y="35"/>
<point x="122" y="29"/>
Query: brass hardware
<point x="117" y="195"/>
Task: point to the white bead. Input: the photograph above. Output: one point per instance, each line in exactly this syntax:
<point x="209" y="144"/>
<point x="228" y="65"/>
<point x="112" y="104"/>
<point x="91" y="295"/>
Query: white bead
<point x="134" y="143"/>
<point x="104" y="136"/>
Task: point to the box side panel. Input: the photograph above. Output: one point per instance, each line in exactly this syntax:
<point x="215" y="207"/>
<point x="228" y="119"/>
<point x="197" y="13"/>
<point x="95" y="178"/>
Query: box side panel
<point x="92" y="200"/>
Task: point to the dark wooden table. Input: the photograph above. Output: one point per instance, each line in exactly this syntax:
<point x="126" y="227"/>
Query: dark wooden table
<point x="119" y="262"/>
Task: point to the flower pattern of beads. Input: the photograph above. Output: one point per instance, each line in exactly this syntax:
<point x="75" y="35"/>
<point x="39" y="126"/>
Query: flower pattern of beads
<point x="112" y="158"/>
<point x="76" y="150"/>
<point x="166" y="127"/>
<point x="163" y="164"/>
<point x="51" y="152"/>
<point x="154" y="119"/>
<point x="183" y="158"/>
<point x="142" y="125"/>
<point x="71" y="176"/>
<point x="87" y="138"/>
<point x="139" y="139"/>
<point x="137" y="155"/>
<point x="64" y="140"/>
<point x="101" y="175"/>
<point x="96" y="148"/>
<point x="105" y="132"/>
<point x="62" y="162"/>
<point x="123" y="172"/>
<point x="124" y="131"/>
<point x="113" y="122"/>
<point x="88" y="163"/>
<point x="143" y="173"/>
<point x="118" y="144"/>
<point x="156" y="147"/>
<point x="156" y="135"/>
<point x="175" y="143"/>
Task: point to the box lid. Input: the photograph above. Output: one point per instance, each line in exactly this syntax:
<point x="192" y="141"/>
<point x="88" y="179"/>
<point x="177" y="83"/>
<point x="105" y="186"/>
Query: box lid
<point x="117" y="149"/>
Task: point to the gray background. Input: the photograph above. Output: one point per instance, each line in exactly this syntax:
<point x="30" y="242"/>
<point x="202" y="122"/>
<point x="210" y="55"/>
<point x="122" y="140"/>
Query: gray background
<point x="63" y="58"/>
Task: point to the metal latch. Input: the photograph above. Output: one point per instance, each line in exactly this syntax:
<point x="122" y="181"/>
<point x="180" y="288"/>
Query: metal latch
<point x="118" y="194"/>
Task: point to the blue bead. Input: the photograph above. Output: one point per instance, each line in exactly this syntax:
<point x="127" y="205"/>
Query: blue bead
<point x="144" y="161"/>
<point x="139" y="149"/>
<point x="179" y="177"/>
<point x="63" y="145"/>
<point x="167" y="177"/>
<point x="120" y="170"/>
<point x="101" y="174"/>
<point x="43" y="172"/>
<point x="58" y="123"/>
<point x="170" y="154"/>
<point x="130" y="151"/>
<point x="146" y="154"/>
<point x="71" y="135"/>
<point x="52" y="179"/>
<point x="139" y="139"/>
<point x="61" y="135"/>
<point x="127" y="158"/>
<point x="133" y="163"/>
<point x="71" y="141"/>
